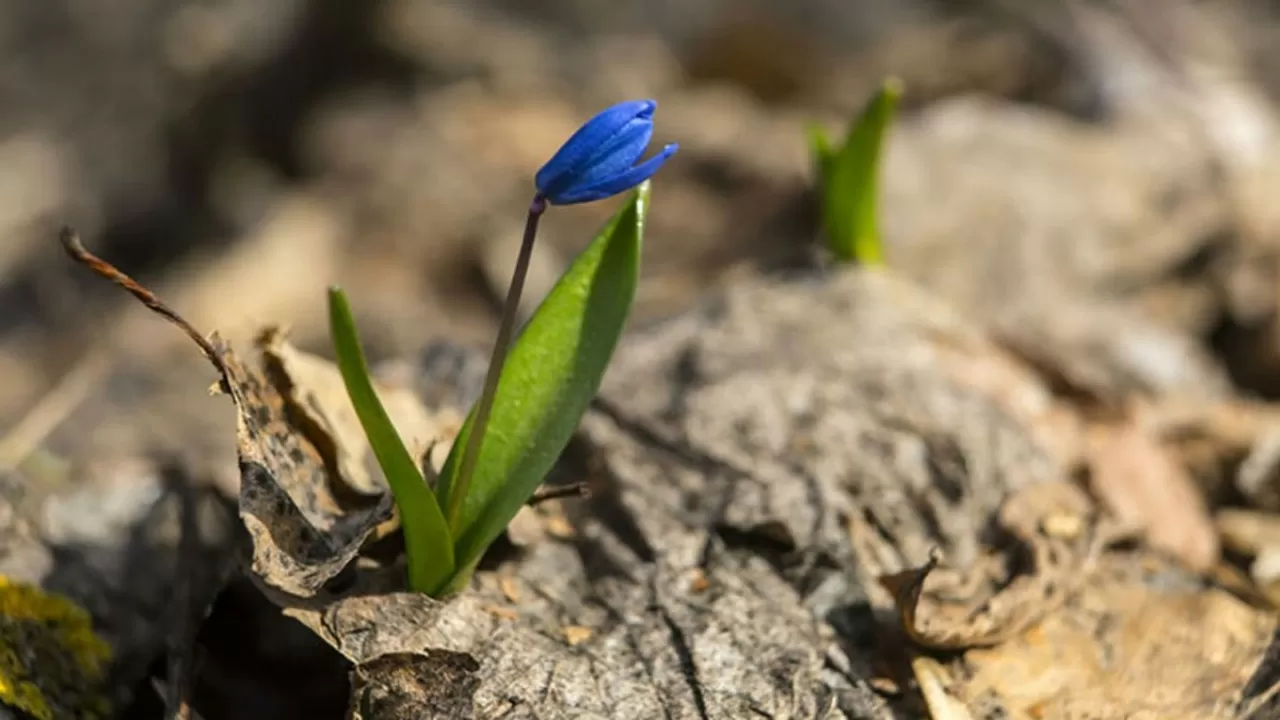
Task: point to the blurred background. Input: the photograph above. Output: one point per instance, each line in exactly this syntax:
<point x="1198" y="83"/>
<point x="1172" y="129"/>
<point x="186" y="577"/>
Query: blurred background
<point x="1092" y="181"/>
<point x="239" y="156"/>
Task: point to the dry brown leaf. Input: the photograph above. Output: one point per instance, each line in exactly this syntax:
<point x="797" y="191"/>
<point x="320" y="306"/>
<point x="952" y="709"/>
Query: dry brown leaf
<point x="410" y="651"/>
<point x="314" y="386"/>
<point x="1128" y="649"/>
<point x="402" y="686"/>
<point x="1233" y="425"/>
<point x="302" y="534"/>
<point x="374" y="621"/>
<point x="987" y="603"/>
<point x="989" y="621"/>
<point x="1142" y="483"/>
<point x="1232" y="442"/>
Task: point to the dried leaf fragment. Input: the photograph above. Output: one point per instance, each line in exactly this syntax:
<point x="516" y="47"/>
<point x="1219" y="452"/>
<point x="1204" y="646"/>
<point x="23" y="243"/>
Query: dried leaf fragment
<point x="313" y="386"/>
<point x="990" y="602"/>
<point x="410" y="651"/>
<point x="302" y="535"/>
<point x="1182" y="654"/>
<point x="404" y="686"/>
<point x="1146" y="487"/>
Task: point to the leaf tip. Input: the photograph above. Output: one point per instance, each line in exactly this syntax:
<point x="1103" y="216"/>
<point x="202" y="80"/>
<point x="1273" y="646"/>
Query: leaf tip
<point x="893" y="87"/>
<point x="642" y="194"/>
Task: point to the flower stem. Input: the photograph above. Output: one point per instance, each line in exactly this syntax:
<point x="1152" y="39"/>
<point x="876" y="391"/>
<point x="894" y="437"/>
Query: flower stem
<point x="510" y="311"/>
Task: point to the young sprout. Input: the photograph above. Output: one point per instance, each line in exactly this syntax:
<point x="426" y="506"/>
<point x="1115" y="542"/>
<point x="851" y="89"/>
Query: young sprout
<point x="847" y="179"/>
<point x="537" y="387"/>
<point x="596" y="162"/>
<point x="426" y="535"/>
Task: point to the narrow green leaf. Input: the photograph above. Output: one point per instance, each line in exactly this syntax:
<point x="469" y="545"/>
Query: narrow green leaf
<point x="554" y="369"/>
<point x="821" y="151"/>
<point x="850" y="182"/>
<point x="426" y="536"/>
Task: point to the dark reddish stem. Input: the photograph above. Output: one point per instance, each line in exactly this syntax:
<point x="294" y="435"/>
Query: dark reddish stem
<point x="458" y="489"/>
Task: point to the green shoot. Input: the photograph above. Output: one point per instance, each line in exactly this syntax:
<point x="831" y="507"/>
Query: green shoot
<point x="426" y="536"/>
<point x="537" y="395"/>
<point x="553" y="370"/>
<point x="848" y="179"/>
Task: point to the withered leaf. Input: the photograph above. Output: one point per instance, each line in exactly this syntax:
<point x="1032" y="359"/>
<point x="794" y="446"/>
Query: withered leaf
<point x="408" y="687"/>
<point x="314" y="387"/>
<point x="369" y="626"/>
<point x="302" y="534"/>
<point x="936" y="624"/>
<point x="409" y="651"/>
<point x="1143" y="482"/>
<point x="987" y="604"/>
<point x="1161" y="649"/>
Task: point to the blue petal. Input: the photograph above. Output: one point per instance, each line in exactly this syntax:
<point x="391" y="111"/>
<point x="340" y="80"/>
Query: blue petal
<point x="584" y="143"/>
<point x="618" y="183"/>
<point x="616" y="155"/>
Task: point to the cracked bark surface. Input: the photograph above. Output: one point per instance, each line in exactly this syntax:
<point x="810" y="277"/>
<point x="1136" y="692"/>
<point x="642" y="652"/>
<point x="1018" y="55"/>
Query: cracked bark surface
<point x="712" y="573"/>
<point x="780" y="414"/>
<point x="755" y="467"/>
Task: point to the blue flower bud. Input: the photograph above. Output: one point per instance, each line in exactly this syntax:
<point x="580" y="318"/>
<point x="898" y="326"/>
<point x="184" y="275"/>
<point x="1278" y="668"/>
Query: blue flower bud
<point x="599" y="159"/>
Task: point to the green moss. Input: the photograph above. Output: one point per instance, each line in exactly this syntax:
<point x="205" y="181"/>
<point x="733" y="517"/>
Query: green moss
<point x="51" y="661"/>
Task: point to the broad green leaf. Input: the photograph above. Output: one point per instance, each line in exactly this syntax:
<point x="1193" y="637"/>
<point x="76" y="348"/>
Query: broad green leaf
<point x="849" y="181"/>
<point x="553" y="370"/>
<point x="426" y="536"/>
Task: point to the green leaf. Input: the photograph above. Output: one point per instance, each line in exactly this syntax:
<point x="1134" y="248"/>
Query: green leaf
<point x="426" y="536"/>
<point x="821" y="150"/>
<point x="849" y="181"/>
<point x="554" y="369"/>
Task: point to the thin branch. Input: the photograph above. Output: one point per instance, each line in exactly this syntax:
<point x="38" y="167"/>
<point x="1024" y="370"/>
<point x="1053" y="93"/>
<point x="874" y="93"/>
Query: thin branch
<point x="74" y="248"/>
<point x="578" y="490"/>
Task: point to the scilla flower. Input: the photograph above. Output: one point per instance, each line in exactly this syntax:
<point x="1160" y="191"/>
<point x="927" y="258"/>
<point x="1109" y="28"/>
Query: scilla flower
<point x="599" y="160"/>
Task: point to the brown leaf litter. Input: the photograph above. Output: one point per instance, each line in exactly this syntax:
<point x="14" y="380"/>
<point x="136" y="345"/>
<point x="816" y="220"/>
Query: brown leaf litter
<point x="1145" y="485"/>
<point x="313" y="386"/>
<point x="1126" y="628"/>
<point x="861" y="398"/>
<point x="1054" y="608"/>
<point x="312" y="497"/>
<point x="961" y="611"/>
<point x="1139" y="633"/>
<point x="293" y="441"/>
